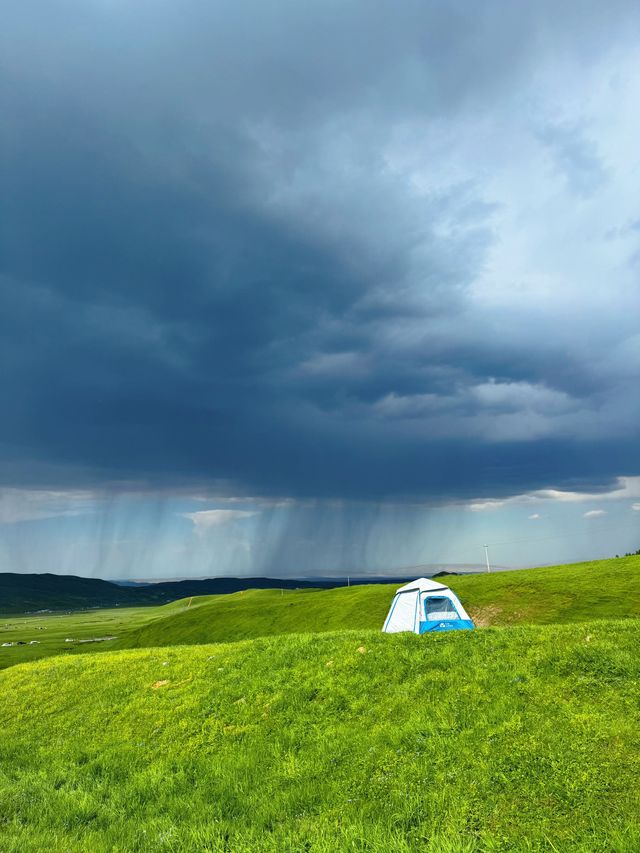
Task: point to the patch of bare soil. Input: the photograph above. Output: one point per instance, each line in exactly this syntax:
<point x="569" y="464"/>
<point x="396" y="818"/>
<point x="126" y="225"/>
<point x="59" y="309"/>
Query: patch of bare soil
<point x="484" y="617"/>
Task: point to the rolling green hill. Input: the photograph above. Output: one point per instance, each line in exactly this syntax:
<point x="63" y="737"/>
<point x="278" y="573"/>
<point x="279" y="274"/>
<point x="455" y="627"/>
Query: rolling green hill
<point x="519" y="739"/>
<point x="571" y="593"/>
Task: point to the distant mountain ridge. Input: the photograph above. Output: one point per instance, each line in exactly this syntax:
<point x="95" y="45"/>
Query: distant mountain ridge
<point x="26" y="593"/>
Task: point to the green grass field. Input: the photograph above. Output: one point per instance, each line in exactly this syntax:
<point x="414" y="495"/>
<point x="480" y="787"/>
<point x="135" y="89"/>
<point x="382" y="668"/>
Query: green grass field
<point x="279" y="731"/>
<point x="518" y="739"/>
<point x="52" y="630"/>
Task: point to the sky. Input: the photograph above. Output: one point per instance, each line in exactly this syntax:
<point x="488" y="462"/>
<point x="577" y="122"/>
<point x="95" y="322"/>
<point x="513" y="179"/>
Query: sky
<point x="318" y="288"/>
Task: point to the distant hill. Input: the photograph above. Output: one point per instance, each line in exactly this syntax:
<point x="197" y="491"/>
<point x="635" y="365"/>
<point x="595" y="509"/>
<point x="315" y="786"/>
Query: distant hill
<point x="173" y="590"/>
<point x="21" y="593"/>
<point x="26" y="593"/>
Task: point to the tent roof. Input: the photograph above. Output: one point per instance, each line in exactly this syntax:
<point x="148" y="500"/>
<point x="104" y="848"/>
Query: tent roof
<point x="423" y="584"/>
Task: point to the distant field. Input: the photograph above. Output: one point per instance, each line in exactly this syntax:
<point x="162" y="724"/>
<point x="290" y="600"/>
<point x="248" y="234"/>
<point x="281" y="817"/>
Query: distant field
<point x="495" y="741"/>
<point x="51" y="630"/>
<point x="22" y="594"/>
<point x="574" y="593"/>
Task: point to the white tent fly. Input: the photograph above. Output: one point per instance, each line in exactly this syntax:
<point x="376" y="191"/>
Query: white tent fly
<point x="424" y="605"/>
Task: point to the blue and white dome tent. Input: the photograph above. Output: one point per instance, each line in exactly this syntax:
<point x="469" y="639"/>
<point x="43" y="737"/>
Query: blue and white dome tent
<point x="424" y="605"/>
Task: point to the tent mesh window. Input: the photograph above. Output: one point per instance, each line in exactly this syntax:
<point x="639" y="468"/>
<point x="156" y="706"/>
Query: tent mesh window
<point x="438" y="609"/>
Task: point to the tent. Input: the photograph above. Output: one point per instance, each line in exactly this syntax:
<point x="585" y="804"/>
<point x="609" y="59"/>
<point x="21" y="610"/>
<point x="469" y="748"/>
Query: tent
<point x="425" y="605"/>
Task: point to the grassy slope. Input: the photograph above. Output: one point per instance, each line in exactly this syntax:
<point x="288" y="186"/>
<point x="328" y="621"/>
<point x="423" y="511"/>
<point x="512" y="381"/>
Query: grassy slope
<point x="524" y="739"/>
<point x="574" y="593"/>
<point x="258" y="613"/>
<point x="577" y="592"/>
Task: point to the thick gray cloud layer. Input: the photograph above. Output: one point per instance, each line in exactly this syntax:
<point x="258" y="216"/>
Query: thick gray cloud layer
<point x="339" y="250"/>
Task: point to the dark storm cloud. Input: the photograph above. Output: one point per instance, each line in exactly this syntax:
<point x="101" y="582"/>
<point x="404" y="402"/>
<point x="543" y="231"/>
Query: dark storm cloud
<point x="264" y="248"/>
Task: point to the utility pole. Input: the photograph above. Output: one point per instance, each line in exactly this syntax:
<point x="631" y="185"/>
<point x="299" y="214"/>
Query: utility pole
<point x="486" y="554"/>
<point x="348" y="581"/>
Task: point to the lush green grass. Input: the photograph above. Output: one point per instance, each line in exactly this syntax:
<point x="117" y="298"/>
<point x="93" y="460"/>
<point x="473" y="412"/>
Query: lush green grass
<point x="574" y="593"/>
<point x="518" y="739"/>
<point x="601" y="589"/>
